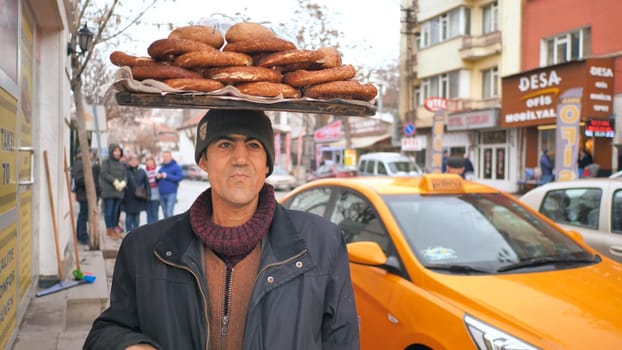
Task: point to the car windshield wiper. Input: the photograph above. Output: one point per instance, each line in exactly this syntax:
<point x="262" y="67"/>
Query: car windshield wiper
<point x="549" y="260"/>
<point x="455" y="268"/>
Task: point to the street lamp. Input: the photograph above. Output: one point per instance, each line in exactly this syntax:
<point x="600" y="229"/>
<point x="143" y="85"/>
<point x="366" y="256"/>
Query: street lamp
<point x="85" y="37"/>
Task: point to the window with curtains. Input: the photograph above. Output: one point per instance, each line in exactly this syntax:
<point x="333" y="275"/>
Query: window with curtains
<point x="490" y="83"/>
<point x="571" y="46"/>
<point x="444" y="85"/>
<point x="445" y="26"/>
<point x="490" y="18"/>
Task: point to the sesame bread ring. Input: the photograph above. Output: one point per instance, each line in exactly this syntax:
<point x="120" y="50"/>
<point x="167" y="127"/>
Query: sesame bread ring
<point x="344" y="89"/>
<point x="122" y="59"/>
<point x="290" y="57"/>
<point x="240" y="74"/>
<point x="303" y="77"/>
<point x="164" y="48"/>
<point x="259" y="45"/>
<point x="248" y="31"/>
<point x="332" y="57"/>
<point x="213" y="59"/>
<point x="267" y="89"/>
<point x="162" y="72"/>
<point x="201" y="84"/>
<point x="209" y="35"/>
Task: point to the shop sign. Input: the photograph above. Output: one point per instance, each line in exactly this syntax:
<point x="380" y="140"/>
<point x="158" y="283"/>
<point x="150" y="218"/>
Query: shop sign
<point x="473" y="120"/>
<point x="599" y="128"/>
<point x="438" y="129"/>
<point x="328" y="133"/>
<point x="531" y="98"/>
<point x="567" y="134"/>
<point x="413" y="144"/>
<point x="434" y="104"/>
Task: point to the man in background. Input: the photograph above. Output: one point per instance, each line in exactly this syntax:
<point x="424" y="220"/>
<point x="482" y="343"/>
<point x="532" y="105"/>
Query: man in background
<point x="168" y="178"/>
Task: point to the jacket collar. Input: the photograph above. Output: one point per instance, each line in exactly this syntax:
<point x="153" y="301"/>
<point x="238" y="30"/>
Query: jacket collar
<point x="179" y="245"/>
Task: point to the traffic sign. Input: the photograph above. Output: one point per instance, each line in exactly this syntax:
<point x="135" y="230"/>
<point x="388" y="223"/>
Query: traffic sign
<point x="410" y="129"/>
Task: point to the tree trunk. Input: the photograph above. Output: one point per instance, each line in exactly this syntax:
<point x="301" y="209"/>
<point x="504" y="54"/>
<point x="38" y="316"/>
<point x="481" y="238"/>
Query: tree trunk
<point x="91" y="194"/>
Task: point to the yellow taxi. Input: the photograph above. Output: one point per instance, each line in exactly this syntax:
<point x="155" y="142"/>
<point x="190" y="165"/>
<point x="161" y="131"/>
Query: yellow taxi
<point x="441" y="263"/>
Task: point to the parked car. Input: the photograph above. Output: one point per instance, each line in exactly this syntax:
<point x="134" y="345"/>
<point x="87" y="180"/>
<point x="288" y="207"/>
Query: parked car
<point x="333" y="170"/>
<point x="438" y="262"/>
<point x="193" y="172"/>
<point x="592" y="207"/>
<point x="387" y="163"/>
<point x="282" y="180"/>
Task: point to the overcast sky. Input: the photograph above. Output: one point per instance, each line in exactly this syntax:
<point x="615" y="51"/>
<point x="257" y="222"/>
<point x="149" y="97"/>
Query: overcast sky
<point x="372" y="27"/>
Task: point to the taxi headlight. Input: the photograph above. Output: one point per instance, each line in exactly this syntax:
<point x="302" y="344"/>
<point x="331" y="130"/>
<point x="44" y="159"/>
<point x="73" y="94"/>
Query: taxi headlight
<point x="489" y="338"/>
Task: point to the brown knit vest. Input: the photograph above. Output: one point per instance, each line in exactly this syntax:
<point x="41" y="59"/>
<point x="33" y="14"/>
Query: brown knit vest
<point x="242" y="282"/>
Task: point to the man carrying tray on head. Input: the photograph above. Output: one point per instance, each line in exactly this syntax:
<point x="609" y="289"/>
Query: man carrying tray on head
<point x="237" y="270"/>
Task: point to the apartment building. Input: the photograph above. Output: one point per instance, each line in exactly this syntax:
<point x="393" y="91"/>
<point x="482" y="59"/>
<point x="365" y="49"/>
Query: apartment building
<point x="458" y="50"/>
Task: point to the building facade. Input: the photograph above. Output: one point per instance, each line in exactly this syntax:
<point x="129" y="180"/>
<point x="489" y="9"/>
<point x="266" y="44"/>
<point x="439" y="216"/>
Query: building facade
<point x="455" y="50"/>
<point x="34" y="113"/>
<point x="570" y="44"/>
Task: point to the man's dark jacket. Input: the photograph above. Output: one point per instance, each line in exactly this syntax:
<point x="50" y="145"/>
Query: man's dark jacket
<point x="302" y="298"/>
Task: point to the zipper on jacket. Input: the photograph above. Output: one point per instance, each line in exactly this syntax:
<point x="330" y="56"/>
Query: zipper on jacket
<point x="200" y="289"/>
<point x="226" y="305"/>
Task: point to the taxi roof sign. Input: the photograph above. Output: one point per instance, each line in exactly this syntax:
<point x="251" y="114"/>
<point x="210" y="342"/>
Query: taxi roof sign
<point x="441" y="183"/>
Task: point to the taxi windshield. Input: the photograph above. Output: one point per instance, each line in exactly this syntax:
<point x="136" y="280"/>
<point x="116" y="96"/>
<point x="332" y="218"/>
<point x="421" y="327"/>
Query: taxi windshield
<point x="484" y="232"/>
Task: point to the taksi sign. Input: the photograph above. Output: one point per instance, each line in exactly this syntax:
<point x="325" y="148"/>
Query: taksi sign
<point x="531" y="98"/>
<point x="434" y="104"/>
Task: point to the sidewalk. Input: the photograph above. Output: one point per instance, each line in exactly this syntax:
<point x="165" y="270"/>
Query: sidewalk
<point x="62" y="320"/>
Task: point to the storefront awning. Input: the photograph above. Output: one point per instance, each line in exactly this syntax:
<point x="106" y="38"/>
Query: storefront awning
<point x="360" y="142"/>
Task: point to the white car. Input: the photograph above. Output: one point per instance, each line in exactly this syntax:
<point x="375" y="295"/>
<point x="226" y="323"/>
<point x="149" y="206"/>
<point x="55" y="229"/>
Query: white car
<point x="592" y="207"/>
<point x="280" y="179"/>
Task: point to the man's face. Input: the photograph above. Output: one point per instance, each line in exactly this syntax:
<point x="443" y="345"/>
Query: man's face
<point x="166" y="157"/>
<point x="237" y="167"/>
<point x="133" y="162"/>
<point x="116" y="153"/>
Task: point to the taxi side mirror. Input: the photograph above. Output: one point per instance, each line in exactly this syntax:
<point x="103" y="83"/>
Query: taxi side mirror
<point x="366" y="253"/>
<point x="576" y="236"/>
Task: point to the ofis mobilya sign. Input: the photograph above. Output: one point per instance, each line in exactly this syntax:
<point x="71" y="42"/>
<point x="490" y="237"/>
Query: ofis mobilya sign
<point x="531" y="98"/>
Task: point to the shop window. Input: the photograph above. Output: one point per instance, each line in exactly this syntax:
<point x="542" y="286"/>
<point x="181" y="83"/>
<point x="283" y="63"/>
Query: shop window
<point x="567" y="47"/>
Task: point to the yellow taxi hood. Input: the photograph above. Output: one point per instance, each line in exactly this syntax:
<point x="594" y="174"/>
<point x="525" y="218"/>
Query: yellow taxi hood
<point x="578" y="308"/>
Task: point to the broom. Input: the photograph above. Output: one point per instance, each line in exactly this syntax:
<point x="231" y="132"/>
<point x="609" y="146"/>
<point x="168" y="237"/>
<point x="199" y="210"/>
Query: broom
<point x="77" y="273"/>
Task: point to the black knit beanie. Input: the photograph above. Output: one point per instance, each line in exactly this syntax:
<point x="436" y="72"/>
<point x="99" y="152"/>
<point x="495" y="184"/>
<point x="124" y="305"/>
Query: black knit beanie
<point x="221" y="122"/>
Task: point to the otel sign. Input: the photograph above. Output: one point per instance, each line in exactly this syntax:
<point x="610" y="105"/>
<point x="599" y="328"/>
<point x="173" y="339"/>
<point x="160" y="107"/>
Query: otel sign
<point x="434" y="104"/>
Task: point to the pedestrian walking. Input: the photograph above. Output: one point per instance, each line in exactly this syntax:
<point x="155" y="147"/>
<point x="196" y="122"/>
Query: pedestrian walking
<point x="77" y="174"/>
<point x="136" y="193"/>
<point x="237" y="270"/>
<point x="112" y="180"/>
<point x="153" y="204"/>
<point x="585" y="159"/>
<point x="168" y="178"/>
<point x="546" y="167"/>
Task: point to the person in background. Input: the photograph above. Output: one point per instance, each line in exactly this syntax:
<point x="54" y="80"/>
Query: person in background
<point x="237" y="270"/>
<point x="469" y="170"/>
<point x="455" y="165"/>
<point x="77" y="174"/>
<point x="153" y="204"/>
<point x="133" y="205"/>
<point x="546" y="167"/>
<point x="112" y="181"/>
<point x="168" y="177"/>
<point x="444" y="161"/>
<point x="585" y="159"/>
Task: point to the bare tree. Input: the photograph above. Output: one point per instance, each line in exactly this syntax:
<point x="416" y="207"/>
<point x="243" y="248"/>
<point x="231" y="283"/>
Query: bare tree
<point x="83" y="11"/>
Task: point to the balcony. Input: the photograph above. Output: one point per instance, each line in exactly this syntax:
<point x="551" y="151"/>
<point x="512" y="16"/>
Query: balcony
<point x="475" y="47"/>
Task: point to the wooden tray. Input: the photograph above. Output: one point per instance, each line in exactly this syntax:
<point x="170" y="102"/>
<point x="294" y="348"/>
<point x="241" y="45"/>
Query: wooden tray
<point x="174" y="100"/>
